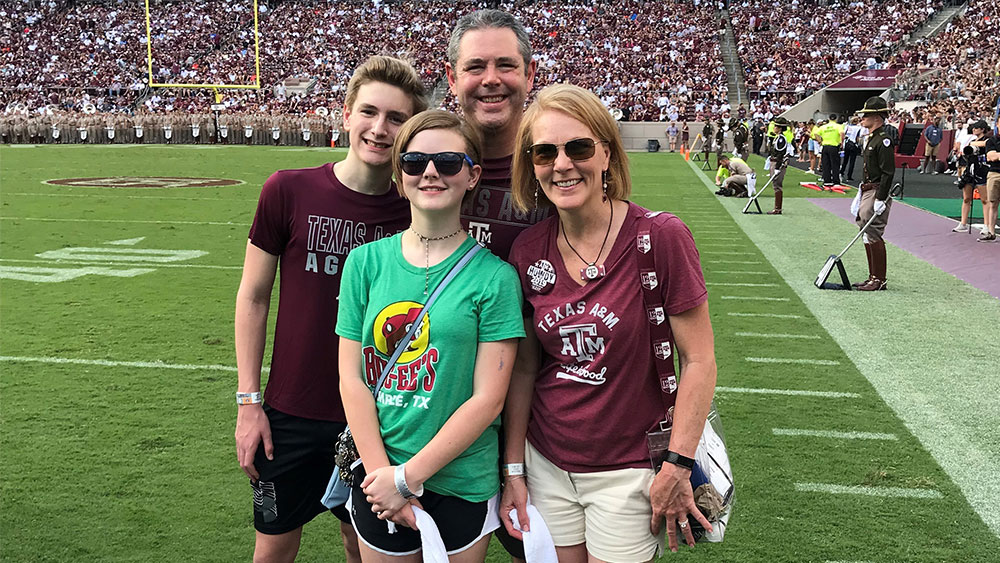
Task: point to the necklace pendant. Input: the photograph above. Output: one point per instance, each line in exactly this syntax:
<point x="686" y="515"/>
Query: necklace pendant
<point x="592" y="272"/>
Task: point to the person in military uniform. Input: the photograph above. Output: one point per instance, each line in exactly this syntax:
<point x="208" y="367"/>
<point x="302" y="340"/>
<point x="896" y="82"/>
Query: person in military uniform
<point x="777" y="153"/>
<point x="707" y="135"/>
<point x="720" y="140"/>
<point x="873" y="195"/>
<point x="741" y="138"/>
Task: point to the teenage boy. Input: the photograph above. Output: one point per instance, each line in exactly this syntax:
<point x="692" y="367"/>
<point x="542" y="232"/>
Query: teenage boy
<point x="307" y="221"/>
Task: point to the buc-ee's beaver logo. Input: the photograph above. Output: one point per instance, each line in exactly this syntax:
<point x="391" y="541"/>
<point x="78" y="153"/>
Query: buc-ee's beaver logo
<point x="391" y="325"/>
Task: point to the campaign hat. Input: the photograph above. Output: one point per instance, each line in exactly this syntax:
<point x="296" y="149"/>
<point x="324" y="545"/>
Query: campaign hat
<point x="875" y="104"/>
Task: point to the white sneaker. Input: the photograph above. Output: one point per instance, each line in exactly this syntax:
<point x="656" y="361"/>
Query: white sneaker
<point x="962" y="228"/>
<point x="810" y="171"/>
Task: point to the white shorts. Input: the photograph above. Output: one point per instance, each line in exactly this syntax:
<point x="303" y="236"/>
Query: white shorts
<point x="607" y="510"/>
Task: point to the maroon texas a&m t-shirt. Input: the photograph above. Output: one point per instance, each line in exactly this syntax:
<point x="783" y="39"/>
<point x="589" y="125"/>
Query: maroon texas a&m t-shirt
<point x="311" y="221"/>
<point x="597" y="392"/>
<point x="489" y="215"/>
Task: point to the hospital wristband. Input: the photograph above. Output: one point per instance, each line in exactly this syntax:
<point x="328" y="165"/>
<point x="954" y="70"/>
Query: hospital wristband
<point x="513" y="470"/>
<point x="248" y="398"/>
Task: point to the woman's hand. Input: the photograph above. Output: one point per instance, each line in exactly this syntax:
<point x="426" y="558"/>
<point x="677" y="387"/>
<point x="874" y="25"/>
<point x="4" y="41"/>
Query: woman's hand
<point x="671" y="497"/>
<point x="404" y="516"/>
<point x="515" y="496"/>
<point x="379" y="487"/>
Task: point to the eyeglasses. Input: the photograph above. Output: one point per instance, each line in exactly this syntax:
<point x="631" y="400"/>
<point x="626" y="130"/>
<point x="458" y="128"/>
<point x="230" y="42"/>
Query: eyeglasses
<point x="544" y="154"/>
<point x="446" y="163"/>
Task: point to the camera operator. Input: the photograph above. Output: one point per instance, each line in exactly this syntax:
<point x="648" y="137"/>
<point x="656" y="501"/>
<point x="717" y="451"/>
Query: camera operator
<point x="991" y="154"/>
<point x="972" y="173"/>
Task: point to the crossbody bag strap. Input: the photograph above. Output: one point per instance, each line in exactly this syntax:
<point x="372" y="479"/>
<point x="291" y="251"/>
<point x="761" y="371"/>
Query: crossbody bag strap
<point x="405" y="341"/>
<point x="661" y="336"/>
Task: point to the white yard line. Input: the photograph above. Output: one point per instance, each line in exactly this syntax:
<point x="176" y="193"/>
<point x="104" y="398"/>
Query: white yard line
<point x="741" y="284"/>
<point x="791" y="392"/>
<point x="766" y="315"/>
<point x="123" y="221"/>
<point x="833" y="434"/>
<point x="898" y="492"/>
<point x="114" y="363"/>
<point x="755" y="298"/>
<point x="778" y="335"/>
<point x="803" y="361"/>
<point x="119" y="263"/>
<point x="742" y="272"/>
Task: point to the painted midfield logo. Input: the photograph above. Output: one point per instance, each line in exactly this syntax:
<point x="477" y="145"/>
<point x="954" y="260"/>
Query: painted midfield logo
<point x="144" y="182"/>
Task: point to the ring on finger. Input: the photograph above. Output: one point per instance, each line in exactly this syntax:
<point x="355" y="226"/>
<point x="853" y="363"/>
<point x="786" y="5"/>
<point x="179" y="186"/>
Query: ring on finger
<point x="682" y="523"/>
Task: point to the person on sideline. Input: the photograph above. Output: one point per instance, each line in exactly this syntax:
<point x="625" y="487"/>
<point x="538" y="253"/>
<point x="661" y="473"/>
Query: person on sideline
<point x="429" y="439"/>
<point x="307" y="222"/>
<point x="588" y="352"/>
<point x="974" y="175"/>
<point x="872" y="198"/>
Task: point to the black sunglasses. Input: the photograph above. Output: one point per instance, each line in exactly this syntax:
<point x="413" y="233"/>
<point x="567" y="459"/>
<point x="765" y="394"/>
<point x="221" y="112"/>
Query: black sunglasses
<point x="544" y="154"/>
<point x="446" y="163"/>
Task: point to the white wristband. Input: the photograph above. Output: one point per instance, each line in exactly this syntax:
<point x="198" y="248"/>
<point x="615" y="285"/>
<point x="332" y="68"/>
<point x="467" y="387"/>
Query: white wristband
<point x="248" y="398"/>
<point x="513" y="470"/>
<point x="399" y="476"/>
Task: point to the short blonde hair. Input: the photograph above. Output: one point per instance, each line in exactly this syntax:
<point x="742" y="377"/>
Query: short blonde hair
<point x="435" y="119"/>
<point x="391" y="71"/>
<point x="585" y="107"/>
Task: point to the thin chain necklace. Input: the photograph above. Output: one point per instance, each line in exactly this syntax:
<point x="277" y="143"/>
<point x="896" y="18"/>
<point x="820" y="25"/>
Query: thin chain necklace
<point x="427" y="252"/>
<point x="592" y="271"/>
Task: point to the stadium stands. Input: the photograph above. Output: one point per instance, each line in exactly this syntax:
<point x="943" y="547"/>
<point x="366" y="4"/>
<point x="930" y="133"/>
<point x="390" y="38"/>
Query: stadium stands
<point x="807" y="44"/>
<point x="656" y="61"/>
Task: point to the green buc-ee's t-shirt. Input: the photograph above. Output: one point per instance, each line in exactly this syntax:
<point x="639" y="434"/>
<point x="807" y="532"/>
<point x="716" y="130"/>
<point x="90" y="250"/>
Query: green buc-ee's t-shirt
<point x="380" y="296"/>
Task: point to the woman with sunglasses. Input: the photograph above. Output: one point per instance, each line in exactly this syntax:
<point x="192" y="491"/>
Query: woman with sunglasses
<point x="429" y="439"/>
<point x="586" y="387"/>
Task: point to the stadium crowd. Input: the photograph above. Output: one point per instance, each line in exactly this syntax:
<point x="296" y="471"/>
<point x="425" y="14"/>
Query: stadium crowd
<point x="75" y="54"/>
<point x="808" y="44"/>
<point x="958" y="70"/>
<point x="654" y="61"/>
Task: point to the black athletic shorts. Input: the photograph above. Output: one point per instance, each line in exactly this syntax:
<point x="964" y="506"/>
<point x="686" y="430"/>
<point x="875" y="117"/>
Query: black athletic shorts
<point x="292" y="484"/>
<point x="461" y="523"/>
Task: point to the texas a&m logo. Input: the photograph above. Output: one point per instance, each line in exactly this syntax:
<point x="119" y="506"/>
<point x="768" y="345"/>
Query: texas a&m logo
<point x="656" y="315"/>
<point x="643" y="243"/>
<point x="662" y="349"/>
<point x="648" y="278"/>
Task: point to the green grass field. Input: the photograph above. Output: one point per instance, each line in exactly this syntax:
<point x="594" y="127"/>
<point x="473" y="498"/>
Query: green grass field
<point x="117" y="383"/>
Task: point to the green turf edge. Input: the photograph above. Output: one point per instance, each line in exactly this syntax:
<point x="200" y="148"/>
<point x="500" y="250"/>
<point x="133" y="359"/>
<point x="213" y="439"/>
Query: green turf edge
<point x="918" y="343"/>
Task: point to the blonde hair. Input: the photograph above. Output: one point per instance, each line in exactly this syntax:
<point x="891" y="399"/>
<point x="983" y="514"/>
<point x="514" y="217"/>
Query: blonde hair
<point x="435" y="119"/>
<point x="391" y="71"/>
<point x="585" y="107"/>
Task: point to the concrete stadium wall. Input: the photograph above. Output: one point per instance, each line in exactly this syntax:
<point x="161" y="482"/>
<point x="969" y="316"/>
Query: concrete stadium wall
<point x="636" y="135"/>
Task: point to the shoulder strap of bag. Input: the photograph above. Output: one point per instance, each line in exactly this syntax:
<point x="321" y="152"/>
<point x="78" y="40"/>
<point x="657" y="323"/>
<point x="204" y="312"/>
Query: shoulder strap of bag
<point x="661" y="336"/>
<point x="420" y="317"/>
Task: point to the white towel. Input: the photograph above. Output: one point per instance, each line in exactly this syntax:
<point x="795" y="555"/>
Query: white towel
<point x="538" y="544"/>
<point x="430" y="538"/>
<point x="751" y="184"/>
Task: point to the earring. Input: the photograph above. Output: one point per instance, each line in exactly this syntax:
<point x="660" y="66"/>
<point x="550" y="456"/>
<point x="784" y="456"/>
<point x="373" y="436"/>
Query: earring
<point x="604" y="180"/>
<point x="537" y="184"/>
